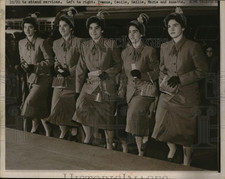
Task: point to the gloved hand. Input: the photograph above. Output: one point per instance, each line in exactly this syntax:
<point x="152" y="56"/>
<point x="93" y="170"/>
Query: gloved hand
<point x="30" y="68"/>
<point x="173" y="81"/>
<point x="136" y="73"/>
<point x="104" y="76"/>
<point x="76" y="95"/>
<point x="59" y="69"/>
<point x="19" y="69"/>
<point x="24" y="67"/>
<point x="65" y="72"/>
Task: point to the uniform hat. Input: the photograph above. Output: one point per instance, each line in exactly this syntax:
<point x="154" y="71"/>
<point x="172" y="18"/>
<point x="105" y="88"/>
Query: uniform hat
<point x="178" y="16"/>
<point x="31" y="19"/>
<point x="140" y="23"/>
<point x="99" y="19"/>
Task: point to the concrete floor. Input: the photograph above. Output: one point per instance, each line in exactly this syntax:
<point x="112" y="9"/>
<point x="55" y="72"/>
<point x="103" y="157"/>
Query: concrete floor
<point x="26" y="151"/>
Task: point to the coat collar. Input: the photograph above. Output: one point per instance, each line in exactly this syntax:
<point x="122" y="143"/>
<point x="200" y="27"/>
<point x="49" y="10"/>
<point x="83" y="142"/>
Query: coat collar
<point x="138" y="50"/>
<point x="101" y="44"/>
<point x="180" y="43"/>
<point x="62" y="41"/>
<point x="30" y="45"/>
<point x="67" y="44"/>
<point x="175" y="47"/>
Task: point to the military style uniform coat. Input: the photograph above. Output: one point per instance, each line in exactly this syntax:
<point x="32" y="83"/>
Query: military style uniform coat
<point x="40" y="55"/>
<point x="63" y="105"/>
<point x="177" y="114"/>
<point x="97" y="58"/>
<point x="140" y="93"/>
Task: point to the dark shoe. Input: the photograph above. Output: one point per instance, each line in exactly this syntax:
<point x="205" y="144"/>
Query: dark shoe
<point x="36" y="132"/>
<point x="144" y="146"/>
<point x="72" y="138"/>
<point x="170" y="159"/>
<point x="66" y="136"/>
<point x="177" y="158"/>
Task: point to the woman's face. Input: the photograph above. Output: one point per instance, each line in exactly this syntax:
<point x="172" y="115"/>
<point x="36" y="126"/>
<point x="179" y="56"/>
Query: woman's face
<point x="64" y="28"/>
<point x="134" y="35"/>
<point x="209" y="52"/>
<point x="28" y="29"/>
<point x="95" y="31"/>
<point x="175" y="30"/>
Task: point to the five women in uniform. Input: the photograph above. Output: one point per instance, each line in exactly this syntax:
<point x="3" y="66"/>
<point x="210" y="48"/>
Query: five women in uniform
<point x="87" y="71"/>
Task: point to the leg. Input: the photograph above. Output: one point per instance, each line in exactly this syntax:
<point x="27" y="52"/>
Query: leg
<point x="124" y="146"/>
<point x="172" y="150"/>
<point x="88" y="134"/>
<point x="144" y="143"/>
<point x="35" y="125"/>
<point x="25" y="124"/>
<point x="187" y="155"/>
<point x="145" y="139"/>
<point x="96" y="137"/>
<point x="46" y="127"/>
<point x="109" y="134"/>
<point x="139" y="143"/>
<point x="74" y="131"/>
<point x="63" y="130"/>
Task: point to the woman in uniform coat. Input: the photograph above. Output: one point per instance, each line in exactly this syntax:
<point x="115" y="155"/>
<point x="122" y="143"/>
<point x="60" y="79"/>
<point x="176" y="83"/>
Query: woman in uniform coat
<point x="95" y="81"/>
<point x="36" y="59"/>
<point x="141" y="68"/>
<point x="67" y="53"/>
<point x="182" y="65"/>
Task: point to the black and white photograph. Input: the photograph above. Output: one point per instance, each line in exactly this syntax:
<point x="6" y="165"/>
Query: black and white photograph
<point x="112" y="89"/>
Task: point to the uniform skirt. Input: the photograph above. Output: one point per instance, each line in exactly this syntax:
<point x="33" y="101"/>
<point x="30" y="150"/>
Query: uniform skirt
<point x="63" y="107"/>
<point x="95" y="114"/>
<point x="175" y="121"/>
<point x="137" y="115"/>
<point x="36" y="104"/>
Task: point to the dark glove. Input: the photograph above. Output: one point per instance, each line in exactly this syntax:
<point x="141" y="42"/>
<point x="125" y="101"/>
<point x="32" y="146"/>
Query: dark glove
<point x="58" y="69"/>
<point x="30" y="68"/>
<point x="76" y="95"/>
<point x="104" y="76"/>
<point x="65" y="72"/>
<point x="19" y="69"/>
<point x="136" y="73"/>
<point x="173" y="81"/>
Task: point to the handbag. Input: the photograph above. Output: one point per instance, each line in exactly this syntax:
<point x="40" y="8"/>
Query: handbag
<point x="59" y="82"/>
<point x="148" y="89"/>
